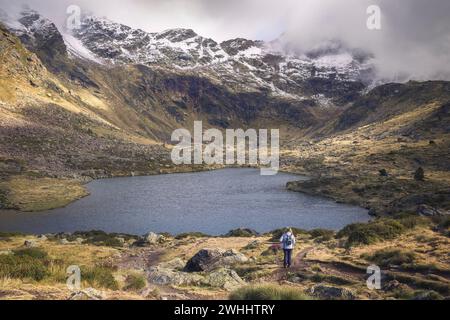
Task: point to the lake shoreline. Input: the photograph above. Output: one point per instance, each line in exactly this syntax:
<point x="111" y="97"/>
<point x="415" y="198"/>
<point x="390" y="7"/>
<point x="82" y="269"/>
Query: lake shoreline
<point x="86" y="180"/>
<point x="200" y="199"/>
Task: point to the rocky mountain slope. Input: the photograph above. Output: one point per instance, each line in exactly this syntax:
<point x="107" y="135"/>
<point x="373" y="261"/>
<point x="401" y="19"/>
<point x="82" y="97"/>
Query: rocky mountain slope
<point x="241" y="64"/>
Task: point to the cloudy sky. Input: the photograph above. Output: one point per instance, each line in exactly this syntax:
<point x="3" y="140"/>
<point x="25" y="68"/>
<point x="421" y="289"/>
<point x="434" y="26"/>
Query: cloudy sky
<point x="414" y="38"/>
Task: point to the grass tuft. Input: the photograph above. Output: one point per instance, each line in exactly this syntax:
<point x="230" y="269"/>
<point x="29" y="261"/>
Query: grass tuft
<point x="186" y="235"/>
<point x="135" y="282"/>
<point x="372" y="232"/>
<point x="25" y="264"/>
<point x="99" y="276"/>
<point x="392" y="257"/>
<point x="268" y="292"/>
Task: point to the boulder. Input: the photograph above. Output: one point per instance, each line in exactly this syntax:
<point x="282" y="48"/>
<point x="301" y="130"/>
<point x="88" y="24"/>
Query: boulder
<point x="395" y="285"/>
<point x="225" y="279"/>
<point x="165" y="276"/>
<point x="63" y="241"/>
<point x="175" y="264"/>
<point x="231" y="257"/>
<point x="428" y="211"/>
<point x="151" y="238"/>
<point x="332" y="293"/>
<point x="30" y="244"/>
<point x="427" y="295"/>
<point x="373" y="212"/>
<point x="87" y="294"/>
<point x="253" y="245"/>
<point x="42" y="237"/>
<point x="209" y="259"/>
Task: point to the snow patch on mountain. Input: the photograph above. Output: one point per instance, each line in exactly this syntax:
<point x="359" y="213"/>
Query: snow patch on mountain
<point x="241" y="64"/>
<point x="76" y="48"/>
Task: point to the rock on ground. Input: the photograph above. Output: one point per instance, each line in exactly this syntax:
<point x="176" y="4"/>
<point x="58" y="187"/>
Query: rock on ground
<point x="209" y="259"/>
<point x="30" y="244"/>
<point x="165" y="276"/>
<point x="332" y="293"/>
<point x="428" y="211"/>
<point x="225" y="279"/>
<point x="87" y="294"/>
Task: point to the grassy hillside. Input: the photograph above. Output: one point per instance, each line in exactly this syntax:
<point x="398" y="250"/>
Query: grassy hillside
<point x="373" y="161"/>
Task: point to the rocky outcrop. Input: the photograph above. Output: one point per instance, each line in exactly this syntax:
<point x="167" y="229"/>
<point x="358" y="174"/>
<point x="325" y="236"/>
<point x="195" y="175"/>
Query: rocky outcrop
<point x="225" y="279"/>
<point x="222" y="278"/>
<point x="209" y="267"/>
<point x="30" y="244"/>
<point x="209" y="259"/>
<point x="332" y="293"/>
<point x="87" y="294"/>
<point x="150" y="238"/>
<point x="165" y="276"/>
<point x="428" y="211"/>
<point x="175" y="264"/>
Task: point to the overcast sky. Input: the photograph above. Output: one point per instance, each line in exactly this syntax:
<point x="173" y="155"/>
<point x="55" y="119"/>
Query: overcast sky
<point x="414" y="37"/>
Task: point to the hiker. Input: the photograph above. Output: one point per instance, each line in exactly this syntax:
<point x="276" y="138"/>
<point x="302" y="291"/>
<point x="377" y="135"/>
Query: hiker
<point x="287" y="242"/>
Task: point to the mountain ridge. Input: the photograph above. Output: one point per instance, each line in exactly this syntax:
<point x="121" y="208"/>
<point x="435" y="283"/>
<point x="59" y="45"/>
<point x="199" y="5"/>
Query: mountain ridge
<point x="238" y="63"/>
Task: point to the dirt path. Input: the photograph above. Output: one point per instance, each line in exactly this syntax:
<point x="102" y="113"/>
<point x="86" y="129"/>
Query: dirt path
<point x="299" y="260"/>
<point x="298" y="264"/>
<point x="333" y="268"/>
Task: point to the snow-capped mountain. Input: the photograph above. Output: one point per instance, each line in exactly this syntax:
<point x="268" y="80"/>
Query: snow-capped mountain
<point x="239" y="63"/>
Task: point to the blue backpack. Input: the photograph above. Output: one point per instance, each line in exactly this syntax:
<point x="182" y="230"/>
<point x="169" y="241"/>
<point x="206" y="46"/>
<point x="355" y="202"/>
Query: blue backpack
<point x="288" y="241"/>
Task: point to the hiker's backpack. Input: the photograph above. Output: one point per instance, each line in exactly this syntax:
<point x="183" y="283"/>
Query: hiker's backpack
<point x="288" y="241"/>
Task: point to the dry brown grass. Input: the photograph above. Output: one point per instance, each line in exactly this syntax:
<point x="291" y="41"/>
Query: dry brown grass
<point x="39" y="194"/>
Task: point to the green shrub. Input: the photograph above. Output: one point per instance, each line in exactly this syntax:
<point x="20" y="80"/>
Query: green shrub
<point x="420" y="283"/>
<point x="242" y="233"/>
<point x="22" y="267"/>
<point x="100" y="238"/>
<point x="422" y="267"/>
<point x="6" y="236"/>
<point x="135" y="282"/>
<point x="276" y="234"/>
<point x="322" y="234"/>
<point x="406" y="293"/>
<point x="99" y="276"/>
<point x="403" y="293"/>
<point x="369" y="233"/>
<point x="419" y="175"/>
<point x="443" y="222"/>
<point x="413" y="221"/>
<point x="191" y="235"/>
<point x="11" y="234"/>
<point x="268" y="292"/>
<point x="392" y="257"/>
<point x="252" y="272"/>
<point x="427" y="295"/>
<point x="35" y="253"/>
<point x="320" y="278"/>
<point x="272" y="251"/>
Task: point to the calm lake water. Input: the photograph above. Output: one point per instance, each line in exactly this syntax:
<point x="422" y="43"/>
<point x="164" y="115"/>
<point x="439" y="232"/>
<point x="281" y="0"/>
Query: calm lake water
<point x="211" y="202"/>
